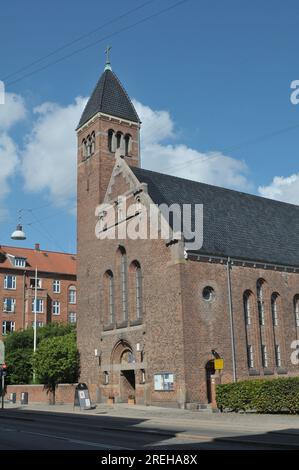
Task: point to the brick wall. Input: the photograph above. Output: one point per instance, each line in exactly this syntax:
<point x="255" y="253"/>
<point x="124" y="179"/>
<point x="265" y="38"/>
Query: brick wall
<point x="38" y="394"/>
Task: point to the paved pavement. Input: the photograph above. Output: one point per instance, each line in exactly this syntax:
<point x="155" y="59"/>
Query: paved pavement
<point x="136" y="427"/>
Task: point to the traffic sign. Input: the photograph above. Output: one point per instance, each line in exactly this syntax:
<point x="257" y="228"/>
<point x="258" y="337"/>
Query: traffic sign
<point x="218" y="364"/>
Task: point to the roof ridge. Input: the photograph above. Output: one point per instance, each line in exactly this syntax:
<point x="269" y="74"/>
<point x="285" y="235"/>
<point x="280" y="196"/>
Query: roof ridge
<point x="38" y="251"/>
<point x="216" y="186"/>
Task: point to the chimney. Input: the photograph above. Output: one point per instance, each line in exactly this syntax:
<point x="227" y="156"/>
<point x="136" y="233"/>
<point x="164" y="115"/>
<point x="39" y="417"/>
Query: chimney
<point x="37" y="247"/>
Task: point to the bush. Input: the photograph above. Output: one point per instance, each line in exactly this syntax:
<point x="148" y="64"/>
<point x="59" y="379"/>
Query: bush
<point x="264" y="396"/>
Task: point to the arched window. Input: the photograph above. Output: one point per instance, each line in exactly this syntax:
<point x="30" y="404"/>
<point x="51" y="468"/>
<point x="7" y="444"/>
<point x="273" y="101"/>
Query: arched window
<point x="93" y="143"/>
<point x="111" y="140"/>
<point x="84" y="149"/>
<point x="124" y="282"/>
<point x="109" y="284"/>
<point x="88" y="146"/>
<point x="260" y="301"/>
<point x="296" y="310"/>
<point x="246" y="304"/>
<point x="119" y="139"/>
<point x="274" y="308"/>
<point x="128" y="144"/>
<point x="135" y="269"/>
<point x="72" y="295"/>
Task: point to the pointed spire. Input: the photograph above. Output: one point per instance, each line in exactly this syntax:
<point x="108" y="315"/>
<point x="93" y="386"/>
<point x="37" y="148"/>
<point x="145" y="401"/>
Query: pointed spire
<point x="108" y="64"/>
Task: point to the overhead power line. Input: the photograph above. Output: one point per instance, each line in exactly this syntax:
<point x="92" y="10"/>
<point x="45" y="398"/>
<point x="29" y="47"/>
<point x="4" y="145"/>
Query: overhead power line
<point x="104" y="38"/>
<point x="78" y="39"/>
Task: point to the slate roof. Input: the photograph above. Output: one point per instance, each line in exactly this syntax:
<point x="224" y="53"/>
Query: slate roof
<point x="109" y="97"/>
<point x="236" y="224"/>
<point x="46" y="261"/>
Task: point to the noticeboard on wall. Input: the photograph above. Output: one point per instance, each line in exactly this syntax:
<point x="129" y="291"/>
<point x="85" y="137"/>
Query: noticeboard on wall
<point x="164" y="381"/>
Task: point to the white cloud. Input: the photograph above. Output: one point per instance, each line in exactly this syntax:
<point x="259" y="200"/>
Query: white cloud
<point x="49" y="156"/>
<point x="282" y="188"/>
<point x="12" y="111"/>
<point x="180" y="160"/>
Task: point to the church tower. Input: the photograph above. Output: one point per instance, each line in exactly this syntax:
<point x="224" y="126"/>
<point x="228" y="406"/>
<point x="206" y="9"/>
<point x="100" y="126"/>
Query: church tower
<point x="109" y="123"/>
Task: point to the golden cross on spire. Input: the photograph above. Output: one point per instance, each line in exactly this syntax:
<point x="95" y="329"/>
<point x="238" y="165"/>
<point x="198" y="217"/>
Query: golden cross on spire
<point x="107" y="52"/>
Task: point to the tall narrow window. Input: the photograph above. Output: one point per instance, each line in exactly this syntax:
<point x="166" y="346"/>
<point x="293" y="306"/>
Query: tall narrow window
<point x="277" y="355"/>
<point x="274" y="309"/>
<point x="264" y="355"/>
<point x="296" y="310"/>
<point x="119" y="140"/>
<point x="260" y="302"/>
<point x="138" y="291"/>
<point x="246" y="303"/>
<point x="109" y="296"/>
<point x="72" y="295"/>
<point x="128" y="144"/>
<point x="84" y="149"/>
<point x="124" y="283"/>
<point x="93" y="143"/>
<point x="250" y="356"/>
<point x="111" y="140"/>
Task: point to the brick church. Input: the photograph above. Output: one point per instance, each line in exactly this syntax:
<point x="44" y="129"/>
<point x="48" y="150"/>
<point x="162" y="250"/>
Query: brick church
<point x="152" y="315"/>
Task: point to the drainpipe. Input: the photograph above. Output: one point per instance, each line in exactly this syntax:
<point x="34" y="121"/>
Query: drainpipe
<point x="231" y="317"/>
<point x="24" y="297"/>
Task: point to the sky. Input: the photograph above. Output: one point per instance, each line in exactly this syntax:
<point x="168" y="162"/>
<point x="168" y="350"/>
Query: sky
<point x="210" y="79"/>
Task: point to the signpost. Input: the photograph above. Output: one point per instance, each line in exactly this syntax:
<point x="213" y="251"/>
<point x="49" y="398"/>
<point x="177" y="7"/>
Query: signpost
<point x="82" y="398"/>
<point x="3" y="372"/>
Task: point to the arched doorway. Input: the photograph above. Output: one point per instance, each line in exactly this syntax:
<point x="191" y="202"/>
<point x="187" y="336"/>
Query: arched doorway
<point x="210" y="370"/>
<point x="124" y="359"/>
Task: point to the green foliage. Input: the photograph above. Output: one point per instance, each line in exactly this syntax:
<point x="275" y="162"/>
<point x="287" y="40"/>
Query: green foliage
<point x="57" y="361"/>
<point x="19" y="350"/>
<point x="279" y="395"/>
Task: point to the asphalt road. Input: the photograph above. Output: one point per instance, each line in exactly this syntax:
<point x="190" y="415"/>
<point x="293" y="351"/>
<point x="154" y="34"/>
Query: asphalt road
<point x="36" y="430"/>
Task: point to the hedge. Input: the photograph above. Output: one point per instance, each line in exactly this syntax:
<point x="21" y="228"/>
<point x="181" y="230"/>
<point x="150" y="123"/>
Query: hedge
<point x="263" y="396"/>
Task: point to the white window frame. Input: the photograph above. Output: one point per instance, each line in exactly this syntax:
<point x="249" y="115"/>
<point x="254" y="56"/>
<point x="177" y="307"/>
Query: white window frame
<point x="13" y="282"/>
<point x="72" y="315"/>
<point x="20" y="262"/>
<point x="13" y="305"/>
<point x="274" y="310"/>
<point x="39" y="324"/>
<point x="57" y="286"/>
<point x="72" y="292"/>
<point x="247" y="312"/>
<point x="12" y="327"/>
<point x="32" y="283"/>
<point x="278" y="355"/>
<point x="40" y="303"/>
<point x="56" y="307"/>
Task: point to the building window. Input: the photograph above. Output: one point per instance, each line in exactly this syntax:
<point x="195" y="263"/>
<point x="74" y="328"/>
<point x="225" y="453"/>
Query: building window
<point x="111" y="140"/>
<point x="138" y="291"/>
<point x="32" y="283"/>
<point x="260" y="302"/>
<point x="124" y="283"/>
<point x="250" y="358"/>
<point x="264" y="355"/>
<point x="93" y="143"/>
<point x="39" y="324"/>
<point x="10" y="282"/>
<point x="274" y="309"/>
<point x="84" y="149"/>
<point x="127" y="357"/>
<point x="72" y="317"/>
<point x="296" y="310"/>
<point x="128" y="144"/>
<point x="246" y="304"/>
<point x="208" y="293"/>
<point x="56" y="307"/>
<point x="142" y="376"/>
<point x="72" y="295"/>
<point x="164" y="382"/>
<point x="20" y="262"/>
<point x="9" y="305"/>
<point x="119" y="140"/>
<point x="8" y="327"/>
<point x="56" y="286"/>
<point x="277" y="355"/>
<point x="39" y="305"/>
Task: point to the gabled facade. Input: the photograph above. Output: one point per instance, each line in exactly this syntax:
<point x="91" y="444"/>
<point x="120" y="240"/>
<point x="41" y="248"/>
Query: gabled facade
<point x="152" y="317"/>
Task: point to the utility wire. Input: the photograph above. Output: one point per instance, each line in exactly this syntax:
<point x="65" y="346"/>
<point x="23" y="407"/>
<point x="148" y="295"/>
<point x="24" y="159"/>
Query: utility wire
<point x="104" y="38"/>
<point x="78" y="39"/>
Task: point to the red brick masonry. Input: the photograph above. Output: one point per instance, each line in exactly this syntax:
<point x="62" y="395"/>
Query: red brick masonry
<point x="38" y="394"/>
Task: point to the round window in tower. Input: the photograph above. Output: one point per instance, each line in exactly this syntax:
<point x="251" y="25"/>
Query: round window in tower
<point x="208" y="293"/>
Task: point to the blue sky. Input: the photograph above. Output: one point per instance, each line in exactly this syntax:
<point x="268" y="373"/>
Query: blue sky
<point x="211" y="80"/>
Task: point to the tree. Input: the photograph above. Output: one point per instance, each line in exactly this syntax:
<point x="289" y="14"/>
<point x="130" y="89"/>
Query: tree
<point x="19" y="350"/>
<point x="57" y="361"/>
